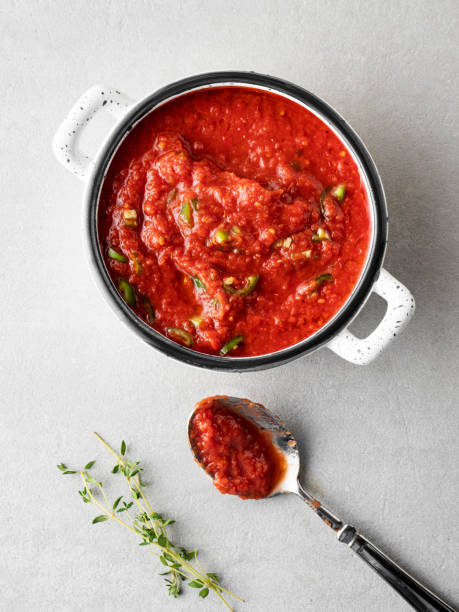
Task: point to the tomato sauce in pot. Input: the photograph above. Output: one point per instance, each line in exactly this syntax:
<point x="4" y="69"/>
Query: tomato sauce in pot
<point x="234" y="221"/>
<point x="241" y="459"/>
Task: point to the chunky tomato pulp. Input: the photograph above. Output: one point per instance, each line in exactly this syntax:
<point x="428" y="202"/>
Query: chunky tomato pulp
<point x="234" y="221"/>
<point x="240" y="457"/>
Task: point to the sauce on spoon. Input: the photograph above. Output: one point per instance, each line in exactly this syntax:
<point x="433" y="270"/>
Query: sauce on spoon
<point x="240" y="457"/>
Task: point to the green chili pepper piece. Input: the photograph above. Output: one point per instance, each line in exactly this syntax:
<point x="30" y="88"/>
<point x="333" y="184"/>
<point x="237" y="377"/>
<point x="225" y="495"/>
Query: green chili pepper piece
<point x="115" y="255"/>
<point x="195" y="203"/>
<point x="149" y="309"/>
<point x="232" y="344"/>
<point x="338" y="192"/>
<point x="171" y="196"/>
<point x="137" y="263"/>
<point x="323" y="195"/>
<point x="324" y="277"/>
<point x="196" y="321"/>
<point x="221" y="237"/>
<point x="181" y="336"/>
<point x="321" y="234"/>
<point x="198" y="283"/>
<point x="250" y="284"/>
<point x="128" y="292"/>
<point x="187" y="214"/>
<point x="130" y="217"/>
<point x="301" y="255"/>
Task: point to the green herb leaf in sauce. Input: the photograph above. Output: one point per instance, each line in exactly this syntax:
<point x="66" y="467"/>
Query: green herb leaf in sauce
<point x="182" y="567"/>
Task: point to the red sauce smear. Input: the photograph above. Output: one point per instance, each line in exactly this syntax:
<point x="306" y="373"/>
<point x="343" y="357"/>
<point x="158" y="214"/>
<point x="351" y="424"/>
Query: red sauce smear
<point x="241" y="458"/>
<point x="213" y="203"/>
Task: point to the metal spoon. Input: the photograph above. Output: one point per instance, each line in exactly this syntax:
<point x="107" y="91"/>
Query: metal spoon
<point x="410" y="589"/>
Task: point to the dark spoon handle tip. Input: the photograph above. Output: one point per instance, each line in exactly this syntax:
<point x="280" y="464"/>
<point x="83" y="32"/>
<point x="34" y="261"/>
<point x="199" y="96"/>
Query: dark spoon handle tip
<point x="417" y="595"/>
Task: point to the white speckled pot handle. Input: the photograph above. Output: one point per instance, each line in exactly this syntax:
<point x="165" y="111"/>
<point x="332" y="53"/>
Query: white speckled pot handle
<point x="400" y="309"/>
<point x="65" y="143"/>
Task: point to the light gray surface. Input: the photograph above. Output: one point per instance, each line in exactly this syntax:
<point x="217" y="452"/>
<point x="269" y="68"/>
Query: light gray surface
<point x="380" y="443"/>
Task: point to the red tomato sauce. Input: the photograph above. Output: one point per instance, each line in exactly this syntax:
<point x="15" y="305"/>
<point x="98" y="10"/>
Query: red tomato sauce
<point x="237" y="221"/>
<point x="241" y="458"/>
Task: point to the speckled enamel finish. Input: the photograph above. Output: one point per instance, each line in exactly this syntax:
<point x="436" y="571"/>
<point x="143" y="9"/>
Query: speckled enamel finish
<point x="400" y="309"/>
<point x="65" y="143"/>
<point x="358" y="351"/>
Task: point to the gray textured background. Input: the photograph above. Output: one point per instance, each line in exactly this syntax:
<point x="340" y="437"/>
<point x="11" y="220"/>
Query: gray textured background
<point x="380" y="444"/>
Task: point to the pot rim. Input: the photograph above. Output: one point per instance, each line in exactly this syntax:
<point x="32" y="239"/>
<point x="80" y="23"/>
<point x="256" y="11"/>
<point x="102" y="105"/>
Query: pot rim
<point x="343" y="130"/>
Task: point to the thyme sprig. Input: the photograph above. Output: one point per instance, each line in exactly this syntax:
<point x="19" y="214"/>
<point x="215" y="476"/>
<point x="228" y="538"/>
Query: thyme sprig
<point x="135" y="513"/>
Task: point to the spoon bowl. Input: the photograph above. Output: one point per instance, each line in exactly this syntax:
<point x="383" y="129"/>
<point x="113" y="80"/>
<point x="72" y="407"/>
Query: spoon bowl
<point x="282" y="438"/>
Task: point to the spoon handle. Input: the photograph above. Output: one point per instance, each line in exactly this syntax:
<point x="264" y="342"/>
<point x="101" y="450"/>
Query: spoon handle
<point x="322" y="512"/>
<point x="417" y="595"/>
